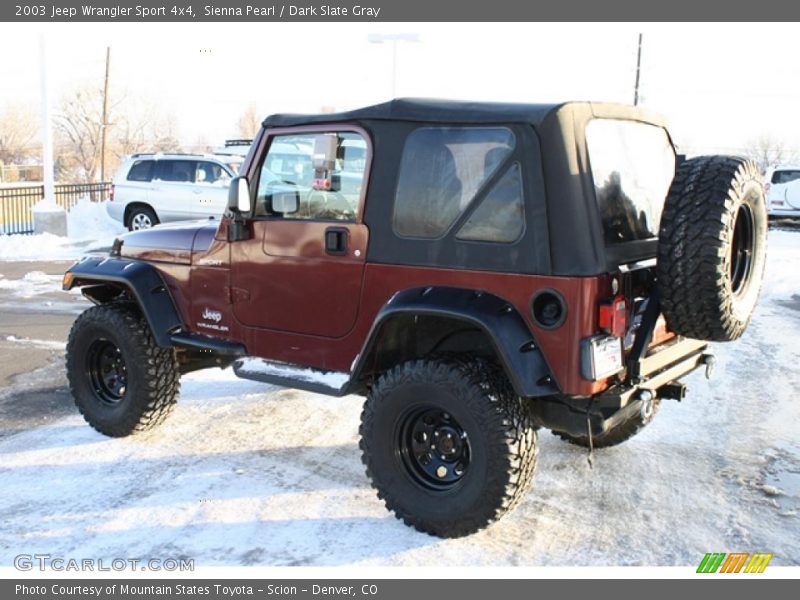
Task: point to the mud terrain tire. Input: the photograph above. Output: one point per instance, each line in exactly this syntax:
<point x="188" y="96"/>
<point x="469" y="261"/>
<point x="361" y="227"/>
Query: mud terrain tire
<point x="495" y="445"/>
<point x="122" y="382"/>
<point x="712" y="246"/>
<point x="613" y="437"/>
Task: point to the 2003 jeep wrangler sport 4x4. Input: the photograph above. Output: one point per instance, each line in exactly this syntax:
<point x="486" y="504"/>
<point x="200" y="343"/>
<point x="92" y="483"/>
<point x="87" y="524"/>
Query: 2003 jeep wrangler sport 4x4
<point x="477" y="271"/>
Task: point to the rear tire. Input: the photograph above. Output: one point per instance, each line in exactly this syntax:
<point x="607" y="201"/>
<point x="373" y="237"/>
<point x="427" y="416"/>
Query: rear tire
<point x="122" y="382"/>
<point x="712" y="247"/>
<point x="447" y="444"/>
<point x="621" y="433"/>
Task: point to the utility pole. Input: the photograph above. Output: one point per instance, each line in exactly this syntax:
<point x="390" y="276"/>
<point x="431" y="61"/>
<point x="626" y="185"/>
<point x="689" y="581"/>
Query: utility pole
<point x="105" y="119"/>
<point x="638" y="70"/>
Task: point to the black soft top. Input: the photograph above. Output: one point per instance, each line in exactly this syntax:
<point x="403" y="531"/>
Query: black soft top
<point x="452" y="111"/>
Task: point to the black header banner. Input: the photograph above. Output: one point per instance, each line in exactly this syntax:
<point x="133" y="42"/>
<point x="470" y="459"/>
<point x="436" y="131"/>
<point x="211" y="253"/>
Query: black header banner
<point x="394" y="10"/>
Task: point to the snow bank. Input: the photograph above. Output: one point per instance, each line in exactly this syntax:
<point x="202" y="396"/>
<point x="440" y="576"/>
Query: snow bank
<point x="88" y="226"/>
<point x="89" y="220"/>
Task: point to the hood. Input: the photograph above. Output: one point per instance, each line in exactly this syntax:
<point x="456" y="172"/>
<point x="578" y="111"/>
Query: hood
<point x="171" y="243"/>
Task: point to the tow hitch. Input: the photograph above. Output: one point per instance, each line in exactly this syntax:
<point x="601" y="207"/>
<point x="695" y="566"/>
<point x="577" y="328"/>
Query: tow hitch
<point x="673" y="391"/>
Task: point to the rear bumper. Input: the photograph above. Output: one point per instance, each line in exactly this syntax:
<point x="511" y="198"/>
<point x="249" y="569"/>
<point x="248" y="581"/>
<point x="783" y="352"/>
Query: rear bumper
<point x="116" y="210"/>
<point x="662" y="366"/>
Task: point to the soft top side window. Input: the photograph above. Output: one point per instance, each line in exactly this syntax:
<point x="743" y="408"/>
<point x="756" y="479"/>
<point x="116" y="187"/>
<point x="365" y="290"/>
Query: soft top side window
<point x="441" y="171"/>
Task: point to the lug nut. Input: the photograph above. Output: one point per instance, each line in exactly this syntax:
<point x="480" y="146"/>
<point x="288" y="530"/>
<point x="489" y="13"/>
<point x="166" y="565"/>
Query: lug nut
<point x="441" y="472"/>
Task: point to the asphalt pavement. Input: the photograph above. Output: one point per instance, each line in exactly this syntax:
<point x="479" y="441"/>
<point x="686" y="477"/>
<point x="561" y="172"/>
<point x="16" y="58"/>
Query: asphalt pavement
<point x="33" y="331"/>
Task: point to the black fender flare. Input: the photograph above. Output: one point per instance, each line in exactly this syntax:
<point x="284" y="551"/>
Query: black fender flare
<point x="143" y="281"/>
<point x="510" y="336"/>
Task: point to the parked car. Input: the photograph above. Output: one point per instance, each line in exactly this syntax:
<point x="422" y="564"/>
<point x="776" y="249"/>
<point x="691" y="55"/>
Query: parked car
<point x="476" y="271"/>
<point x="156" y="188"/>
<point x="783" y="191"/>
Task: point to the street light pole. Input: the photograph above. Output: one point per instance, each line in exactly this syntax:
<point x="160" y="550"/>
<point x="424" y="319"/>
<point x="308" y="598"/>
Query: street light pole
<point x="48" y="216"/>
<point x="48" y="178"/>
<point x="393" y="38"/>
<point x="638" y="70"/>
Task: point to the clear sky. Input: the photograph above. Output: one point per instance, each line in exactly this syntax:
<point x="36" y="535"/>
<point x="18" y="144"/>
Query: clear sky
<point x="719" y="85"/>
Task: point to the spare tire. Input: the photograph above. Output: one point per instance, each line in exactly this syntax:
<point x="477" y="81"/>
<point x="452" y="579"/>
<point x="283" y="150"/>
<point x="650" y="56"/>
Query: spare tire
<point x="712" y="247"/>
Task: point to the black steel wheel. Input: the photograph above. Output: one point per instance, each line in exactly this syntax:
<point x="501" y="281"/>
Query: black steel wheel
<point x="122" y="382"/>
<point x="742" y="248"/>
<point x="433" y="447"/>
<point x="448" y="445"/>
<point x="105" y="367"/>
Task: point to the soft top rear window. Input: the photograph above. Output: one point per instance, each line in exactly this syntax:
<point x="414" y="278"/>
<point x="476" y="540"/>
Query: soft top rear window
<point x="632" y="165"/>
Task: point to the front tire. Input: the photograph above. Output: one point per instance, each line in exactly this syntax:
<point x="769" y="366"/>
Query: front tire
<point x="448" y="445"/>
<point x="121" y="381"/>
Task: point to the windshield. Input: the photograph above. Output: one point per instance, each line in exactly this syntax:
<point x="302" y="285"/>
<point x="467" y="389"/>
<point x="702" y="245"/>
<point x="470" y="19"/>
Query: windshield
<point x="632" y="166"/>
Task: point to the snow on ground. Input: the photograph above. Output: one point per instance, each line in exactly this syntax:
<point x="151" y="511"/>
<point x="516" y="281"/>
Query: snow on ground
<point x="88" y="227"/>
<point x="243" y="473"/>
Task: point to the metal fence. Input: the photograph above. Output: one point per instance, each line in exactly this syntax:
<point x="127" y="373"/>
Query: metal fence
<point x="16" y="203"/>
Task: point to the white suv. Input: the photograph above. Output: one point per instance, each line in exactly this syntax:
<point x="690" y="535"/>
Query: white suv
<point x="783" y="191"/>
<point x="154" y="188"/>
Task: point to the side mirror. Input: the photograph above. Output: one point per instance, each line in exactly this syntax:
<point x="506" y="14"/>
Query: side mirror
<point x="325" y="151"/>
<point x="285" y="203"/>
<point x="239" y="196"/>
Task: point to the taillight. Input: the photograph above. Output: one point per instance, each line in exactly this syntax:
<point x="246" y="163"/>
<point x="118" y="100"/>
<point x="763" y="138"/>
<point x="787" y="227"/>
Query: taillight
<point x="111" y="193"/>
<point x="766" y="187"/>
<point x="613" y="317"/>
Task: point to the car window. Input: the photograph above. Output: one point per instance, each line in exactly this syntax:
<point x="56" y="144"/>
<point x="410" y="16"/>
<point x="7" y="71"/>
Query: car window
<point x="441" y="171"/>
<point x="785" y="176"/>
<point x="633" y="165"/>
<point x="294" y="170"/>
<point x="211" y="174"/>
<point x="177" y="171"/>
<point x="500" y="217"/>
<point x="141" y="170"/>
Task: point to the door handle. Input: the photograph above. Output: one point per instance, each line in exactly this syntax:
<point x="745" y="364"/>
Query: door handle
<point x="336" y="241"/>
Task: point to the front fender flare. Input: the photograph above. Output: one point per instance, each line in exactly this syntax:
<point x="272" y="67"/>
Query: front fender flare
<point x="502" y="324"/>
<point x="141" y="280"/>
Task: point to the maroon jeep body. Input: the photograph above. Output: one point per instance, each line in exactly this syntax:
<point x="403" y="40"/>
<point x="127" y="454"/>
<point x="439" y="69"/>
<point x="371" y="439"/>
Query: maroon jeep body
<point x="476" y="270"/>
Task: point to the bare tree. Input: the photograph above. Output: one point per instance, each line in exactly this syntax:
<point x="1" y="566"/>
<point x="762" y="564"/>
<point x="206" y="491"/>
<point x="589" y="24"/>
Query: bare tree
<point x="79" y="129"/>
<point x="133" y="126"/>
<point x="249" y="122"/>
<point x="767" y="151"/>
<point x="18" y="134"/>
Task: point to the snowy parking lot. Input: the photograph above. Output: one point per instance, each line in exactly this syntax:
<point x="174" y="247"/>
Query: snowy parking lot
<point x="248" y="474"/>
